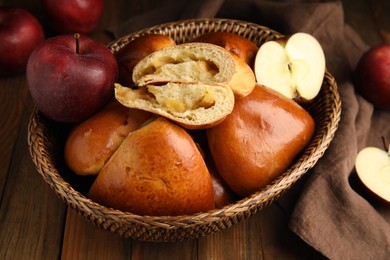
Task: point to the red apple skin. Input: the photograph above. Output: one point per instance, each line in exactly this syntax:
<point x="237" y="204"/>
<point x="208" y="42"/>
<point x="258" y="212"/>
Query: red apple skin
<point x="71" y="16"/>
<point x="69" y="87"/>
<point x="372" y="76"/>
<point x="20" y="33"/>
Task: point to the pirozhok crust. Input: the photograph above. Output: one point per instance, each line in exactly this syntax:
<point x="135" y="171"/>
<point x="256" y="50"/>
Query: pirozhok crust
<point x="187" y="83"/>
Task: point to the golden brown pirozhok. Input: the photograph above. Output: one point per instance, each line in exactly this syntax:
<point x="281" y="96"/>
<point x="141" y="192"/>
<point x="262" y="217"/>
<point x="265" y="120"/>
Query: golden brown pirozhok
<point x="259" y="140"/>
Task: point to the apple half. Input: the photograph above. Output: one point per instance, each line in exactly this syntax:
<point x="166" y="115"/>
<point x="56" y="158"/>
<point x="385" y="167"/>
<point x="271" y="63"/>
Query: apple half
<point x="373" y="168"/>
<point x="293" y="66"/>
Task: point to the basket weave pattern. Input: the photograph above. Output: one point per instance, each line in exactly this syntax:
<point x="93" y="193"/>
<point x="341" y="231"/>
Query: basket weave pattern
<point x="46" y="149"/>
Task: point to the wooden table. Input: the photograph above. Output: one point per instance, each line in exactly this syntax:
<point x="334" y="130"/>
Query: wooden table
<point x="36" y="224"/>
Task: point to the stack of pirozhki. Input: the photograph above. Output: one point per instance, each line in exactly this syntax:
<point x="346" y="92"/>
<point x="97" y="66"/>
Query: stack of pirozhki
<point x="189" y="129"/>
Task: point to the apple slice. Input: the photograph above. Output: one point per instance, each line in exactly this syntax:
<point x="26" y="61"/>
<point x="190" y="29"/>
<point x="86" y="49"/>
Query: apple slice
<point x="293" y="66"/>
<point x="373" y="168"/>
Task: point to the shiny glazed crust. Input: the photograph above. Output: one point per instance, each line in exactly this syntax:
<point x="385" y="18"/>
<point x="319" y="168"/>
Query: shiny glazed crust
<point x="92" y="142"/>
<point x="259" y="140"/>
<point x="158" y="170"/>
<point x="234" y="43"/>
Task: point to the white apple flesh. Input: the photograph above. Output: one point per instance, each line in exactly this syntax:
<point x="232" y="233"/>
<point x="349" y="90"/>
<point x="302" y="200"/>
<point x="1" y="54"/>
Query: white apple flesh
<point x="373" y="168"/>
<point x="293" y="66"/>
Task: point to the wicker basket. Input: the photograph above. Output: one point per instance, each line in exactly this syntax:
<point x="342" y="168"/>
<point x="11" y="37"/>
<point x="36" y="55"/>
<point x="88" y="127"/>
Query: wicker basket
<point x="46" y="142"/>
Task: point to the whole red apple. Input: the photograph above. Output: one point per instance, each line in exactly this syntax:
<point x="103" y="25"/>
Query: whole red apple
<point x="372" y="76"/>
<point x="71" y="16"/>
<point x="20" y="33"/>
<point x="70" y="78"/>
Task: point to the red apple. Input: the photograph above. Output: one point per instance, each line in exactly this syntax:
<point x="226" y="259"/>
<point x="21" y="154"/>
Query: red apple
<point x="70" y="79"/>
<point x="71" y="16"/>
<point x="372" y="76"/>
<point x="20" y="33"/>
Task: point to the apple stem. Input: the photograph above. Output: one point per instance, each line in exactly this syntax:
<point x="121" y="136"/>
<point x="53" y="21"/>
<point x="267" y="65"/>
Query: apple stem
<point x="385" y="144"/>
<point x="77" y="37"/>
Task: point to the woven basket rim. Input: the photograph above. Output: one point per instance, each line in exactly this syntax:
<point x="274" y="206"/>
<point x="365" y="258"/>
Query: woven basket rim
<point x="195" y="22"/>
<point x="246" y="206"/>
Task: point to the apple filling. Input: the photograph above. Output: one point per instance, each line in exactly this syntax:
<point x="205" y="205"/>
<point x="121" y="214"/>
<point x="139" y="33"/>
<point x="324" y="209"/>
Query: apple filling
<point x="177" y="98"/>
<point x="183" y="68"/>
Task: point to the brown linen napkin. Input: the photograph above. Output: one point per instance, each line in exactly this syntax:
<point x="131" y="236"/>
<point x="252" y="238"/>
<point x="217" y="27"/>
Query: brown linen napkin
<point x="332" y="214"/>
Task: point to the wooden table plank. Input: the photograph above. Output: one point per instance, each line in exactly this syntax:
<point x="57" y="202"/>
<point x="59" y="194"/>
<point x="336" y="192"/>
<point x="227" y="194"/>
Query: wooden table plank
<point x="241" y="241"/>
<point x="170" y="250"/>
<point x="13" y="94"/>
<point x="31" y="216"/>
<point x="82" y="240"/>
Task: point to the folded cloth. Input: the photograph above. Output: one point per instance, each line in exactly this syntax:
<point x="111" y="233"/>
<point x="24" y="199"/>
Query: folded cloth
<point x="332" y="214"/>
